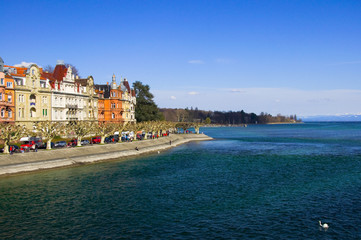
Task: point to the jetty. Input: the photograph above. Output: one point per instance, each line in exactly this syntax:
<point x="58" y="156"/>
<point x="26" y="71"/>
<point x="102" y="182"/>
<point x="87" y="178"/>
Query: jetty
<point x="55" y="158"/>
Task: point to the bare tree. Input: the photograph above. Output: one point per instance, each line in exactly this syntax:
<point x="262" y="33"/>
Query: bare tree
<point x="119" y="127"/>
<point x="104" y="130"/>
<point x="184" y="126"/>
<point x="197" y="126"/>
<point x="48" y="130"/>
<point x="48" y="68"/>
<point x="9" y="133"/>
<point x="75" y="71"/>
<point x="80" y="129"/>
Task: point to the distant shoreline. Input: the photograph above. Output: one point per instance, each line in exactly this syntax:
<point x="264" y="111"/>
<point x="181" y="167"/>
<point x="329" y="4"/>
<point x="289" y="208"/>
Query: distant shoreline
<point x="49" y="159"/>
<point x="249" y="124"/>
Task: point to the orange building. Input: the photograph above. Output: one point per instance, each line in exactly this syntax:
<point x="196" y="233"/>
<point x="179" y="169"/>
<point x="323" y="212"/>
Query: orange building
<point x="7" y="96"/>
<point x="109" y="102"/>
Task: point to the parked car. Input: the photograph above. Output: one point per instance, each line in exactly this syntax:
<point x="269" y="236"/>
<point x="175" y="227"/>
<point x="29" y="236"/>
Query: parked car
<point x="85" y="142"/>
<point x="60" y="144"/>
<point x="112" y="139"/>
<point x="74" y="142"/>
<point x="43" y="145"/>
<point x="27" y="142"/>
<point x="96" y="139"/>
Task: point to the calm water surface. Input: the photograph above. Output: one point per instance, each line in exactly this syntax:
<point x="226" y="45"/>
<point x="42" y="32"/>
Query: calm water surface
<point x="259" y="182"/>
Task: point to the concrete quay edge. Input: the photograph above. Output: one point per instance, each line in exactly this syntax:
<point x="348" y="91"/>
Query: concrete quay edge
<point x="47" y="159"/>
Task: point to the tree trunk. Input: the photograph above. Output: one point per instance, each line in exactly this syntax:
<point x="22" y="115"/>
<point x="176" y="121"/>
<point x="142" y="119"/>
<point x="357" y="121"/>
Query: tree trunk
<point x="78" y="142"/>
<point x="197" y="130"/>
<point x="48" y="144"/>
<point x="6" y="148"/>
<point x="102" y="138"/>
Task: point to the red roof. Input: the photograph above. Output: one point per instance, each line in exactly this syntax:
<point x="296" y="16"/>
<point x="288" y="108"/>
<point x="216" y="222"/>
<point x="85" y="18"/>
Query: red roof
<point x="60" y="72"/>
<point x="126" y="84"/>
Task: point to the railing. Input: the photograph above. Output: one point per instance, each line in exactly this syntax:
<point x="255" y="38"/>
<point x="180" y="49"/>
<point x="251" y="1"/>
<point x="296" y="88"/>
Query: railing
<point x="71" y="106"/>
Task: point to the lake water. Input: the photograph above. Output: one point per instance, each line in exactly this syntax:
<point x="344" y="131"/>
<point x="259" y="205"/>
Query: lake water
<point x="259" y="182"/>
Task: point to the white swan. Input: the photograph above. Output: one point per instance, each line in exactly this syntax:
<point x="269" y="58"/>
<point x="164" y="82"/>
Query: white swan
<point x="324" y="226"/>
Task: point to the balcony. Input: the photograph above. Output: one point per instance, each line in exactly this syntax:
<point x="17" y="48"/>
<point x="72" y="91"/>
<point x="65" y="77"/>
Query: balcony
<point x="74" y="106"/>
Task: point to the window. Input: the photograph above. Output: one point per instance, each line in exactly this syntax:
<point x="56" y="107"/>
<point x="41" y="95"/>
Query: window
<point x="1" y="96"/>
<point x="9" y="98"/>
<point x="9" y="84"/>
<point x="2" y="81"/>
<point x="19" y="112"/>
<point x="45" y="112"/>
<point x="2" y="113"/>
<point x="22" y="112"/>
<point x="10" y="114"/>
<point x="19" y="81"/>
<point x="113" y="115"/>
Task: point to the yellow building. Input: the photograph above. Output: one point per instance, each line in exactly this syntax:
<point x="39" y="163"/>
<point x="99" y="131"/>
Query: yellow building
<point x="32" y="95"/>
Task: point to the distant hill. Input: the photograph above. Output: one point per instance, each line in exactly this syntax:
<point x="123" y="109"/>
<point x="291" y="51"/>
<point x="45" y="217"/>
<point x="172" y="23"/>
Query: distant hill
<point x="334" y="118"/>
<point x="224" y="118"/>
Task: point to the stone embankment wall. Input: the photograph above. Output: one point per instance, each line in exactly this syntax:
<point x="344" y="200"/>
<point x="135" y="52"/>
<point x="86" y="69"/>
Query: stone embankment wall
<point x="32" y="161"/>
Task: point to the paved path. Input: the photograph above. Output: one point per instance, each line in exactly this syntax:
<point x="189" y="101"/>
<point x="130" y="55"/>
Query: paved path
<point x="32" y="161"/>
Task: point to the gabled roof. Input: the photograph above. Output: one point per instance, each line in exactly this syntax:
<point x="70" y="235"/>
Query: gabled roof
<point x="82" y="81"/>
<point x="20" y="71"/>
<point x="48" y="76"/>
<point x="60" y="72"/>
<point x="126" y="84"/>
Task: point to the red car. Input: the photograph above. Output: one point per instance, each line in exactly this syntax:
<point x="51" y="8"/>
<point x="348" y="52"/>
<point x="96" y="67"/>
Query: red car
<point x="96" y="139"/>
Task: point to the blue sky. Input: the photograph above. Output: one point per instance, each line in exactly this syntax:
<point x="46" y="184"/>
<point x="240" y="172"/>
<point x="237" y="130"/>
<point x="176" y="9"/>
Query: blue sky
<point x="288" y="57"/>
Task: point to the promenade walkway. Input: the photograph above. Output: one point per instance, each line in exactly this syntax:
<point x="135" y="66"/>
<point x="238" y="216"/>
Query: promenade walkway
<point x="32" y="161"/>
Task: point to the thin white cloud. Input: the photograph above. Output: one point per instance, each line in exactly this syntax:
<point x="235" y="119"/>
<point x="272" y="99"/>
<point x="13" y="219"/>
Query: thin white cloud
<point x="271" y="100"/>
<point x="237" y="91"/>
<point x="24" y="64"/>
<point x="196" y="61"/>
<point x="173" y="97"/>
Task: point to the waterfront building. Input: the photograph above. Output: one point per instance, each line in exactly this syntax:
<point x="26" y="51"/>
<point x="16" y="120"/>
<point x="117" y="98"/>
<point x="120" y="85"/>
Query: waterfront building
<point x="72" y="98"/>
<point x="110" y="102"/>
<point x="32" y="95"/>
<point x="7" y="96"/>
<point x="128" y="101"/>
